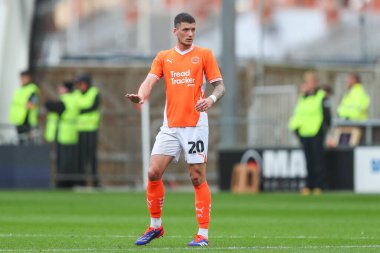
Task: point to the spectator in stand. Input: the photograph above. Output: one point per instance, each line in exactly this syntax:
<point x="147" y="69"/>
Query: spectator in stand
<point x="355" y="103"/>
<point x="88" y="98"/>
<point x="24" y="109"/>
<point x="310" y="122"/>
<point x="61" y="127"/>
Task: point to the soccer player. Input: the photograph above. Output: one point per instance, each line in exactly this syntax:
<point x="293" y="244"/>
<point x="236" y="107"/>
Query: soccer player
<point x="185" y="125"/>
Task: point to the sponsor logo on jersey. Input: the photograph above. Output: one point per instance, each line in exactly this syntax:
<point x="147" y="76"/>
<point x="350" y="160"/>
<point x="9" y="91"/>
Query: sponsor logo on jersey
<point x="195" y="60"/>
<point x="170" y="61"/>
<point x="182" y="77"/>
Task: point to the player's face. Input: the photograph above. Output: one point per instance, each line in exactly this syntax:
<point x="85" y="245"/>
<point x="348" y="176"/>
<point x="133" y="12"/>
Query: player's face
<point x="185" y="33"/>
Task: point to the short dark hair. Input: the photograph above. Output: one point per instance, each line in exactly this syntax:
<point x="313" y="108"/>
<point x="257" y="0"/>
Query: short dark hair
<point x="69" y="85"/>
<point x="183" y="18"/>
<point x="83" y="78"/>
<point x="25" y="73"/>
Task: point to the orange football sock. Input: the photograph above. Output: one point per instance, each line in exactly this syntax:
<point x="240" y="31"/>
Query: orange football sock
<point x="203" y="204"/>
<point x="155" y="198"/>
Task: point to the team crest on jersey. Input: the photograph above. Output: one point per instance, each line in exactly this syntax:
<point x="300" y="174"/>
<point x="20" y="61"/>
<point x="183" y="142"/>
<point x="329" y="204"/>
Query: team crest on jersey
<point x="195" y="60"/>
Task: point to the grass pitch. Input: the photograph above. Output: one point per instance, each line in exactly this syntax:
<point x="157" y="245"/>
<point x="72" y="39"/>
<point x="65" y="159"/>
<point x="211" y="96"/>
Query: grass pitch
<point x="58" y="221"/>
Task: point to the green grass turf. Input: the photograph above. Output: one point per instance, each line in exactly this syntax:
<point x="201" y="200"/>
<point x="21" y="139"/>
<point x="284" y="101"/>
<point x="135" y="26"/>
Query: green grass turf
<point x="58" y="221"/>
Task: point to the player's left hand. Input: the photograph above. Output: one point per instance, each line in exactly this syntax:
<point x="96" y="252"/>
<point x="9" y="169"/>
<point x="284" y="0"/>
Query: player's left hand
<point x="204" y="104"/>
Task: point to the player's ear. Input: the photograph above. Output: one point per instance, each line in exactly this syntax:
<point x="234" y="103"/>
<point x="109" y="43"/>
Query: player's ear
<point x="175" y="30"/>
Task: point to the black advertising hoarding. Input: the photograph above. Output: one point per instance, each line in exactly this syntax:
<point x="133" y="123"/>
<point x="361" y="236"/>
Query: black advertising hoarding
<point x="284" y="169"/>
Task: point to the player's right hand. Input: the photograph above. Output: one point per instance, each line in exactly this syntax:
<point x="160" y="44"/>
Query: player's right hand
<point x="135" y="98"/>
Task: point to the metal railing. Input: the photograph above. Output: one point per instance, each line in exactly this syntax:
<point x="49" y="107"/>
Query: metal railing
<point x="368" y="125"/>
<point x="9" y="136"/>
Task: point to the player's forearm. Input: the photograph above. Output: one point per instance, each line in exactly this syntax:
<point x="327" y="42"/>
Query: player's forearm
<point x="144" y="90"/>
<point x="219" y="89"/>
<point x="146" y="87"/>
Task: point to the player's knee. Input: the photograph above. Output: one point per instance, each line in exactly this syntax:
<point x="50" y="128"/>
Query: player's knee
<point x="195" y="181"/>
<point x="154" y="174"/>
<point x="197" y="178"/>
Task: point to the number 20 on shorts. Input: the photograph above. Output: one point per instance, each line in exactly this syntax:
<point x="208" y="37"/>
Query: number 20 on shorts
<point x="196" y="147"/>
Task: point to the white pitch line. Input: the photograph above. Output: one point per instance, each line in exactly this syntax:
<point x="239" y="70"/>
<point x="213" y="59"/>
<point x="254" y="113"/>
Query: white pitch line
<point x="180" y="236"/>
<point x="376" y="246"/>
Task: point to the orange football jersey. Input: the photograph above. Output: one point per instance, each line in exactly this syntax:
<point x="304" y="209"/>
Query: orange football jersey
<point x="184" y="73"/>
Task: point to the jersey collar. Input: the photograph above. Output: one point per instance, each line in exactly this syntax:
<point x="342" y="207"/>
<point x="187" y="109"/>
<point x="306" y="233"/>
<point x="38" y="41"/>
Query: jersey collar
<point x="184" y="52"/>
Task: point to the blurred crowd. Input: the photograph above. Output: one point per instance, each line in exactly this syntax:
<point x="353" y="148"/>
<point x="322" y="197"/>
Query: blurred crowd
<point x="311" y="122"/>
<point x="72" y="125"/>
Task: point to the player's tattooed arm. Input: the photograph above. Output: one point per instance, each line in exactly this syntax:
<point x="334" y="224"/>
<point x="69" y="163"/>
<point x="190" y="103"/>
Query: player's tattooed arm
<point x="218" y="92"/>
<point x="219" y="89"/>
<point x="205" y="103"/>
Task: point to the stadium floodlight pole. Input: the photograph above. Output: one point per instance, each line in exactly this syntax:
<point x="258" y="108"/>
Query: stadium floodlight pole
<point x="363" y="35"/>
<point x="72" y="32"/>
<point x="228" y="57"/>
<point x="260" y="54"/>
<point x="143" y="25"/>
<point x="145" y="139"/>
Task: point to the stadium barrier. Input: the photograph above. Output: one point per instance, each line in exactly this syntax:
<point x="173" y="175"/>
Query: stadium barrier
<point x="283" y="169"/>
<point x="25" y="166"/>
<point x="367" y="169"/>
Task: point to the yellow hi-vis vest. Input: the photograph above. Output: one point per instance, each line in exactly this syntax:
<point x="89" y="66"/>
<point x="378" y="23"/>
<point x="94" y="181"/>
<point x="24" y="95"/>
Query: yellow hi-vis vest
<point x="355" y="103"/>
<point x="308" y="115"/>
<point x="88" y="122"/>
<point x="64" y="129"/>
<point x="51" y="127"/>
<point x="19" y="109"/>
